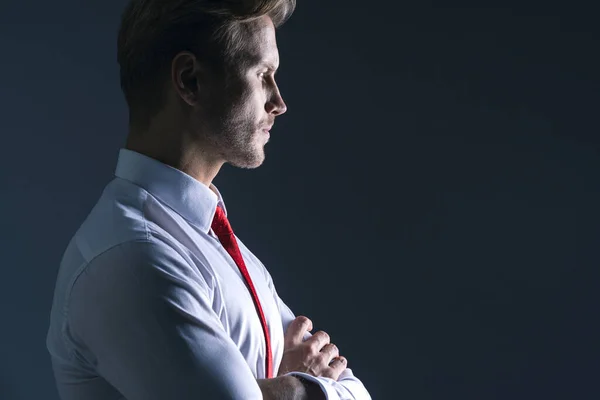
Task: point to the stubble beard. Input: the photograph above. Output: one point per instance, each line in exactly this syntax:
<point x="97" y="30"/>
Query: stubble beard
<point x="236" y="134"/>
<point x="240" y="144"/>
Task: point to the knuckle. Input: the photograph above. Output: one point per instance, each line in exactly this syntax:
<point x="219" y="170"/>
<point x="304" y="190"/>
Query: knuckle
<point x="337" y="371"/>
<point x="333" y="374"/>
<point x="307" y="351"/>
<point x="314" y="347"/>
<point x="322" y="359"/>
<point x="323" y="336"/>
<point x="330" y="349"/>
<point x="330" y="373"/>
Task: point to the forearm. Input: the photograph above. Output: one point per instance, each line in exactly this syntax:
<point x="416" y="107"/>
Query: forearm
<point x="289" y="388"/>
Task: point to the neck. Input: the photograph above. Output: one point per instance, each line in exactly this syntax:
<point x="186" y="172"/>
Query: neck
<point x="177" y="150"/>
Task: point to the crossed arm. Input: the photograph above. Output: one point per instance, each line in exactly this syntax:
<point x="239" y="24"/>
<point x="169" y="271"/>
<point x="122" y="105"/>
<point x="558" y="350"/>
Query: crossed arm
<point x="335" y="380"/>
<point x="136" y="317"/>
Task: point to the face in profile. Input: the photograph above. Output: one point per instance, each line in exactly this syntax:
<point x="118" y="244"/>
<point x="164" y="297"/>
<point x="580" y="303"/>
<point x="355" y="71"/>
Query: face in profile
<point x="238" y="111"/>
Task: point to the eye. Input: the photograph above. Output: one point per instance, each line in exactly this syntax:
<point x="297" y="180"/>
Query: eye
<point x="266" y="74"/>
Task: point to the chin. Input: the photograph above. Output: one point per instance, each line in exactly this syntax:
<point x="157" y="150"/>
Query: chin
<point x="249" y="161"/>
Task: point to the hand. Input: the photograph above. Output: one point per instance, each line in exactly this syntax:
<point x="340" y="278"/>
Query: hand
<point x="290" y="387"/>
<point x="315" y="356"/>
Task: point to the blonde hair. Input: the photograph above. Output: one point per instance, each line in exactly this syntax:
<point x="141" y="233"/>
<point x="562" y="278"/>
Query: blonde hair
<point x="152" y="32"/>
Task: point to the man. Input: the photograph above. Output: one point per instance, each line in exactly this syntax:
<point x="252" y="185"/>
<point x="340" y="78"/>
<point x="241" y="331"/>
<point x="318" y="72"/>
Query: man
<point x="156" y="298"/>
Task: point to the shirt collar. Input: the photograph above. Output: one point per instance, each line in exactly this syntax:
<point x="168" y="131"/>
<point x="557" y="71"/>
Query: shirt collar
<point x="187" y="196"/>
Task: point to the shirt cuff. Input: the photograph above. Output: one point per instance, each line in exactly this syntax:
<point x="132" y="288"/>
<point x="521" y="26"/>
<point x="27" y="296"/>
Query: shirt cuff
<point x="330" y="392"/>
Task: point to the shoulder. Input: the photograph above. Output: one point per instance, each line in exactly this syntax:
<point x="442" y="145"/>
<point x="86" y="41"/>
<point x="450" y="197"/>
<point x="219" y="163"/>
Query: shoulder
<point x="146" y="267"/>
<point x="116" y="218"/>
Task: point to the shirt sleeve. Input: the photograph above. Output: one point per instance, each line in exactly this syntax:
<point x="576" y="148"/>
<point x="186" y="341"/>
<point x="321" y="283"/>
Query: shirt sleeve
<point x="141" y="316"/>
<point x="347" y="387"/>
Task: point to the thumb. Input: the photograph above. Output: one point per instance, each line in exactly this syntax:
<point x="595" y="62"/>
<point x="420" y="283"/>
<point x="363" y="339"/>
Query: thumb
<point x="296" y="330"/>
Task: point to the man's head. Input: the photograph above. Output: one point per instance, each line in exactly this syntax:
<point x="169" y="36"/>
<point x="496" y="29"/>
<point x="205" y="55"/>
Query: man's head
<point x="205" y="68"/>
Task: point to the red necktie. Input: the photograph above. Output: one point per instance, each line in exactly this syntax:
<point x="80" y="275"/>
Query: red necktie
<point x="222" y="229"/>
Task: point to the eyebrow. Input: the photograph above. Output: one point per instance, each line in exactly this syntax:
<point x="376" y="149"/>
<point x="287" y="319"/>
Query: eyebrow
<point x="269" y="65"/>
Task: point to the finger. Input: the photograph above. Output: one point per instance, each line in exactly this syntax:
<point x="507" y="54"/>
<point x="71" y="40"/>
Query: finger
<point x="330" y="351"/>
<point x="296" y="330"/>
<point x="317" y="341"/>
<point x="338" y="362"/>
<point x="336" y="367"/>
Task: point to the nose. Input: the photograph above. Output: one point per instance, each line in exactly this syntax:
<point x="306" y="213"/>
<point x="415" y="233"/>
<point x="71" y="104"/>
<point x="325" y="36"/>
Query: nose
<point x="276" y="105"/>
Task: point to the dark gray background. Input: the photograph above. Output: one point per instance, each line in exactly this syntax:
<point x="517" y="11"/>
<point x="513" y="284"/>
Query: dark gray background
<point x="430" y="199"/>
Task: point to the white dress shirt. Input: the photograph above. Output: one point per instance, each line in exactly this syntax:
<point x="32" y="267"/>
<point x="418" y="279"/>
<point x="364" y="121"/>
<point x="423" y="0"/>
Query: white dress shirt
<point x="148" y="305"/>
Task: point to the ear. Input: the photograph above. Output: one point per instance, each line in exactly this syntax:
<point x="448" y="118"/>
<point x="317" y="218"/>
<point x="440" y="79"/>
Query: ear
<point x="185" y="70"/>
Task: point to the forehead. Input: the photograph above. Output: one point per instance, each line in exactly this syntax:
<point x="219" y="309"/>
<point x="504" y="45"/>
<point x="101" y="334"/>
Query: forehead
<point x="261" y="43"/>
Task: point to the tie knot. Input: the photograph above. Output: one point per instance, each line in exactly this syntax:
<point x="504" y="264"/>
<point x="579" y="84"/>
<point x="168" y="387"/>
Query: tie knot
<point x="220" y="224"/>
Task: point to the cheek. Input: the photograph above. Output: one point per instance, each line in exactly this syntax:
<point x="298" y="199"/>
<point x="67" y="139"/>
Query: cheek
<point x="254" y="105"/>
<point x="259" y="100"/>
<point x="248" y="104"/>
